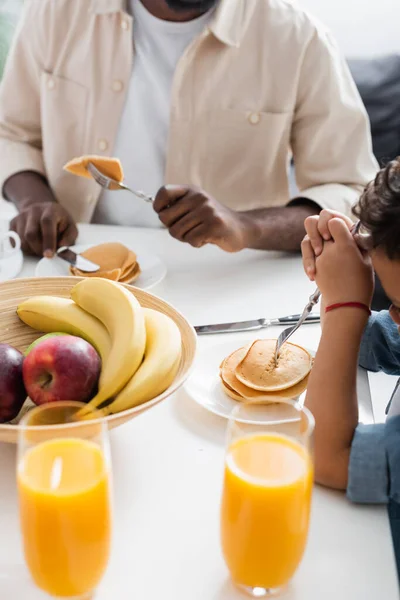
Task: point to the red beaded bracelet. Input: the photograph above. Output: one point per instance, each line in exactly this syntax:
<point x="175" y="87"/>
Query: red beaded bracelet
<point x="348" y="304"/>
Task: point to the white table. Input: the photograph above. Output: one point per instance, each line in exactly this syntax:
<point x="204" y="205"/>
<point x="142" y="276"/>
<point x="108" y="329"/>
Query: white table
<point x="168" y="463"/>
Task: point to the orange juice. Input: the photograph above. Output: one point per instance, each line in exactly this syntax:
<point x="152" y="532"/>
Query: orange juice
<point x="65" y="515"/>
<point x="265" y="509"/>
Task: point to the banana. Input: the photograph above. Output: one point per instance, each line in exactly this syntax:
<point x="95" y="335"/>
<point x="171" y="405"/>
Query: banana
<point x="122" y="316"/>
<point x="160" y="365"/>
<point x="49" y="314"/>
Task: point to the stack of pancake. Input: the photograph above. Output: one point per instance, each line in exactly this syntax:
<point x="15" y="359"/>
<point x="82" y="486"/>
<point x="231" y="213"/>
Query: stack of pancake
<point x="250" y="373"/>
<point x="116" y="262"/>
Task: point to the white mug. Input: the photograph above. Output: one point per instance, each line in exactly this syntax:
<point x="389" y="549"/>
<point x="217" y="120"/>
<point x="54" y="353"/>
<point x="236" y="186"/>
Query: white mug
<point x="11" y="258"/>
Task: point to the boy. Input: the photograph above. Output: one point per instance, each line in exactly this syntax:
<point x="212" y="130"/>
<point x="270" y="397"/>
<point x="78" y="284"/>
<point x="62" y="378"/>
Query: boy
<point x="364" y="459"/>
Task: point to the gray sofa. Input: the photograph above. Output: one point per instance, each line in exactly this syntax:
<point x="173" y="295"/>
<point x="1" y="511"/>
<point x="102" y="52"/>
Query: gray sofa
<point x="378" y="81"/>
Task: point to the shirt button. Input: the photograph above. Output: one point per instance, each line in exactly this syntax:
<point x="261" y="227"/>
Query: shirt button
<point x="117" y="86"/>
<point x="125" y="24"/>
<point x="51" y="84"/>
<point x="254" y="118"/>
<point x="103" y="145"/>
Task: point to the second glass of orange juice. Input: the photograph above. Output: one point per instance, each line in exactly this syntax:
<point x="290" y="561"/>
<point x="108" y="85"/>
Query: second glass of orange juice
<point x="64" y="486"/>
<point x="267" y="495"/>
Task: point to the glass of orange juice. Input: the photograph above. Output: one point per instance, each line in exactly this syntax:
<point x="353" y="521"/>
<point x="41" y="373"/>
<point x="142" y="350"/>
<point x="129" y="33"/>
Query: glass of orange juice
<point x="64" y="486"/>
<point x="266" y="495"/>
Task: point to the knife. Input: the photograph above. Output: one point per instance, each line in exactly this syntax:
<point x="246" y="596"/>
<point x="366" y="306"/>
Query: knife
<point x="254" y="325"/>
<point x="77" y="261"/>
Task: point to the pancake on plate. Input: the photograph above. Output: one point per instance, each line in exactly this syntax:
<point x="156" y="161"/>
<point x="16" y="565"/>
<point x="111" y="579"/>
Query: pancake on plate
<point x="113" y="275"/>
<point x="130" y="263"/>
<point x="239" y="391"/>
<point x="258" y="370"/>
<point x="111" y="167"/>
<point x="132" y="275"/>
<point x="231" y="393"/>
<point x="116" y="262"/>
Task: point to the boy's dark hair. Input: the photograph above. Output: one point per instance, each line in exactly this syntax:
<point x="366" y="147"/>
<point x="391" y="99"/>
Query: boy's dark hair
<point x="379" y="210"/>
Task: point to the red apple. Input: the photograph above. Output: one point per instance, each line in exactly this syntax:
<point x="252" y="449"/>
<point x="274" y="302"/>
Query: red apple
<point x="61" y="368"/>
<point x="12" y="389"/>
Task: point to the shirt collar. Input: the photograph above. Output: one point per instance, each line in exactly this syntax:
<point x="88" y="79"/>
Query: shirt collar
<point x="230" y="21"/>
<point x="103" y="7"/>
<point x="228" y="25"/>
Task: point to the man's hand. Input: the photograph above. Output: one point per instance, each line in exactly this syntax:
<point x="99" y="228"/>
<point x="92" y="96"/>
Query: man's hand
<point x="42" y="224"/>
<point x="318" y="232"/>
<point x="343" y="272"/>
<point x="194" y="217"/>
<point x="43" y="227"/>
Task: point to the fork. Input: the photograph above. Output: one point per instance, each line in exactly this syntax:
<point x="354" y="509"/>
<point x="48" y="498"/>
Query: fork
<point x="314" y="298"/>
<point x="112" y="184"/>
<point x="289" y="331"/>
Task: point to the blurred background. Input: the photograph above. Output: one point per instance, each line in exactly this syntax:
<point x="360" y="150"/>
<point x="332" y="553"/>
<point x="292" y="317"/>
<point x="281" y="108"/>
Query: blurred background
<point x="9" y="13"/>
<point x="362" y="28"/>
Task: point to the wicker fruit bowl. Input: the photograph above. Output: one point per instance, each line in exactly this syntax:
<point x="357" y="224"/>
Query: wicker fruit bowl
<point x="19" y="335"/>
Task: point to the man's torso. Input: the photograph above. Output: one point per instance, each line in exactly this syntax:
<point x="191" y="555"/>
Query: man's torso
<point x="142" y="138"/>
<point x="234" y="94"/>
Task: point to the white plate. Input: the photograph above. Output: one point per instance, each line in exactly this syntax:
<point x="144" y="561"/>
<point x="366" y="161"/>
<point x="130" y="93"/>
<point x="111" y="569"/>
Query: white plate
<point x="153" y="269"/>
<point x="204" y="386"/>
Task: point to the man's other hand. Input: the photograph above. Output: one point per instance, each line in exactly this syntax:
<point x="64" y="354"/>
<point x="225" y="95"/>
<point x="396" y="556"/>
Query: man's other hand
<point x="194" y="217"/>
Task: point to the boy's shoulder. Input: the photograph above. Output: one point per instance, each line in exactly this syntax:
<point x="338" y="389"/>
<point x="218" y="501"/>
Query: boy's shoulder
<point x="380" y="346"/>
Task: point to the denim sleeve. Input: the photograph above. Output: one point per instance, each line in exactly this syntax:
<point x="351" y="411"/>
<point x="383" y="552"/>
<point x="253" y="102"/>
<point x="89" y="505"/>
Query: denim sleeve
<point x="392" y="444"/>
<point x="368" y="481"/>
<point x="380" y="346"/>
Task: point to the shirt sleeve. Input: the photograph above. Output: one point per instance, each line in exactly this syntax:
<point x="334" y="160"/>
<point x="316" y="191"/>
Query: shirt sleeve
<point x="20" y="121"/>
<point x="368" y="480"/>
<point x="330" y="140"/>
<point x="380" y="345"/>
<point x="392" y="444"/>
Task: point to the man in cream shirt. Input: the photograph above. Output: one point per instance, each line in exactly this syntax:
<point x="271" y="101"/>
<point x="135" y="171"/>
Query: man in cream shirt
<point x="202" y="100"/>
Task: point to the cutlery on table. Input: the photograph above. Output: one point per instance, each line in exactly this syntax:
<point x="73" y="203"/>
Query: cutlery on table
<point x="112" y="184"/>
<point x="253" y="325"/>
<point x="77" y="261"/>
